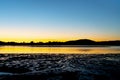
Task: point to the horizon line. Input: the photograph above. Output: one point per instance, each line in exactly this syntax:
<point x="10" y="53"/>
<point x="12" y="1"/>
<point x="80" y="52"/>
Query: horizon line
<point x="56" y="41"/>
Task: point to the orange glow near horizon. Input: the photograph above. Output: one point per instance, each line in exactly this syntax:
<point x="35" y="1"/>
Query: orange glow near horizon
<point x="18" y="34"/>
<point x="45" y="36"/>
<point x="29" y="40"/>
<point x="46" y="40"/>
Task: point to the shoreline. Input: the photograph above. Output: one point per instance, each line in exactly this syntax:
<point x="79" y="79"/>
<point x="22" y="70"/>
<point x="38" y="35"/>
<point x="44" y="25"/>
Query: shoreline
<point x="63" y="45"/>
<point x="60" y="66"/>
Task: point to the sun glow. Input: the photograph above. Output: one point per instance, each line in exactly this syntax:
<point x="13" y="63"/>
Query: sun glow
<point x="45" y="40"/>
<point x="29" y="40"/>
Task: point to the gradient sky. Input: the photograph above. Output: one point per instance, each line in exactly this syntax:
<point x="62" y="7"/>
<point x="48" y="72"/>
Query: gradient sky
<point x="59" y="20"/>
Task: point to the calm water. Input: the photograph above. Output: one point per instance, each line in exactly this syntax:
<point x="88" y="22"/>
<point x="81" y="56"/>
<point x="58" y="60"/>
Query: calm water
<point x="62" y="50"/>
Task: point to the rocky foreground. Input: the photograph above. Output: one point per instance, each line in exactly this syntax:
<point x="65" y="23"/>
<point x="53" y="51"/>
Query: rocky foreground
<point x="59" y="66"/>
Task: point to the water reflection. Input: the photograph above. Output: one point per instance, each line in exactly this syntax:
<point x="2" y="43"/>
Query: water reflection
<point x="62" y="50"/>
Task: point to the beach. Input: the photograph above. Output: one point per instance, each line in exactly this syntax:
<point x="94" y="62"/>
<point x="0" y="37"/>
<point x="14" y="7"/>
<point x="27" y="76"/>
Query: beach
<point x="59" y="66"/>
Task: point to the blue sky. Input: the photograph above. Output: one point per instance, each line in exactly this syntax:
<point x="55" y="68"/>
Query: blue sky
<point x="25" y="20"/>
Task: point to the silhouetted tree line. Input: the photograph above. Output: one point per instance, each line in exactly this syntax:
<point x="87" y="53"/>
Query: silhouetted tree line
<point x="72" y="42"/>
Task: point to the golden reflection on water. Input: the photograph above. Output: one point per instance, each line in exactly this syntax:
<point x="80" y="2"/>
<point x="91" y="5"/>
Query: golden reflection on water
<point x="58" y="50"/>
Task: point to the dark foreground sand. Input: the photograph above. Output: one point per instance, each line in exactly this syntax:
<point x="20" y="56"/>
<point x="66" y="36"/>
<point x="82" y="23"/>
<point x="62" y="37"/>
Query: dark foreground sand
<point x="60" y="67"/>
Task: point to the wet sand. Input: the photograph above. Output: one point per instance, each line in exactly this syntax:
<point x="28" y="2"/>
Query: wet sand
<point x="60" y="66"/>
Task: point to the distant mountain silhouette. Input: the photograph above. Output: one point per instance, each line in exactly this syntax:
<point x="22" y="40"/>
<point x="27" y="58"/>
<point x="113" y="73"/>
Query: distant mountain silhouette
<point x="71" y="42"/>
<point x="81" y="42"/>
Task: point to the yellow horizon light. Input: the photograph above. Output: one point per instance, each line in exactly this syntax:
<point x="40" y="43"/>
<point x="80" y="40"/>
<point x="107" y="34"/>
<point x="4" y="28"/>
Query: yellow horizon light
<point x="46" y="40"/>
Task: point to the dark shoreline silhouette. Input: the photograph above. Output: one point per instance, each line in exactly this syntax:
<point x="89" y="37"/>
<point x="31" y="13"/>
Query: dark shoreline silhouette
<point x="71" y="42"/>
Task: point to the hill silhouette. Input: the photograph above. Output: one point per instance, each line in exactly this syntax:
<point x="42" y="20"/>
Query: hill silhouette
<point x="81" y="42"/>
<point x="70" y="42"/>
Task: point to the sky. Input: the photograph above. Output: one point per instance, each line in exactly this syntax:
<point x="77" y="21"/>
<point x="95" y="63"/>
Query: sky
<point x="59" y="20"/>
